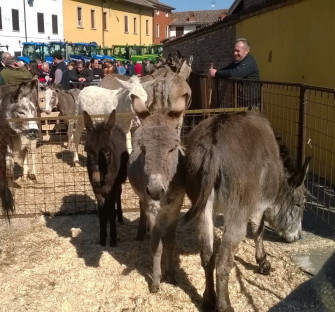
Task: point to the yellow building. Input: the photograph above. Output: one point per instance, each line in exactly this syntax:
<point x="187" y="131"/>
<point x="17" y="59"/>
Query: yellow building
<point x="108" y="22"/>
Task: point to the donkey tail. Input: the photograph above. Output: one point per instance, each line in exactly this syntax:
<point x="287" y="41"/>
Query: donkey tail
<point x="208" y="173"/>
<point x="7" y="200"/>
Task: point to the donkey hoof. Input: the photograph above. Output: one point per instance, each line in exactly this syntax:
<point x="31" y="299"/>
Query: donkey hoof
<point x="103" y="243"/>
<point x="32" y="177"/>
<point x="154" y="288"/>
<point x="120" y="221"/>
<point x="264" y="268"/>
<point x="112" y="244"/>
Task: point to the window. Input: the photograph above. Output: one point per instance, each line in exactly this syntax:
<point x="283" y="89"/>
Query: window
<point x="179" y="31"/>
<point x="147" y="27"/>
<point x="166" y="14"/>
<point x="157" y="30"/>
<point x="15" y="19"/>
<point x="135" y="25"/>
<point x="104" y="21"/>
<point x="40" y="22"/>
<point x="157" y="12"/>
<point x="167" y="31"/>
<point x="0" y="19"/>
<point x="126" y="25"/>
<point x="93" y="19"/>
<point x="79" y="17"/>
<point x="54" y="19"/>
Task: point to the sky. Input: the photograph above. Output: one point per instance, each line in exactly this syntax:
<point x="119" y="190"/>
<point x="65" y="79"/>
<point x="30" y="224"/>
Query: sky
<point x="198" y="5"/>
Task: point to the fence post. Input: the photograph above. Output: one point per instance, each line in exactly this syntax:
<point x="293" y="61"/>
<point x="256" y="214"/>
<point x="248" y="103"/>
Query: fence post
<point x="301" y="126"/>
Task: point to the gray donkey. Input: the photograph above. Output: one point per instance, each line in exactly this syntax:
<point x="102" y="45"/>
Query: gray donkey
<point x="233" y="167"/>
<point x="155" y="171"/>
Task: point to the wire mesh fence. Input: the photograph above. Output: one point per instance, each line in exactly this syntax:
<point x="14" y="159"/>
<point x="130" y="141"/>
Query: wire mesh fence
<point x="302" y="117"/>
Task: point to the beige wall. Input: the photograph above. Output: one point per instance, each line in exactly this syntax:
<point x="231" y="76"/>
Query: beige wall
<point x="115" y="33"/>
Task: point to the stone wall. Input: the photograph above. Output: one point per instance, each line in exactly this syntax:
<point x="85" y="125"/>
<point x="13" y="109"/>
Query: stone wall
<point x="210" y="45"/>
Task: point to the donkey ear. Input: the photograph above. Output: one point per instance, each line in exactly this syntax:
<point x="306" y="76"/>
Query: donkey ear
<point x="111" y="121"/>
<point x="139" y="107"/>
<point x="88" y="121"/>
<point x="298" y="178"/>
<point x="18" y="91"/>
<point x="33" y="84"/>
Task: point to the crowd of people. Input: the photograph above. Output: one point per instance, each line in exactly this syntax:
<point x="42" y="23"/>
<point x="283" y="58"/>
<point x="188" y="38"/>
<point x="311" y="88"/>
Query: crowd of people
<point x="73" y="74"/>
<point x="78" y="74"/>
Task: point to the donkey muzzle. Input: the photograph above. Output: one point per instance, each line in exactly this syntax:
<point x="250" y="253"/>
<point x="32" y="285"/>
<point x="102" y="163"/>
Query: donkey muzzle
<point x="32" y="132"/>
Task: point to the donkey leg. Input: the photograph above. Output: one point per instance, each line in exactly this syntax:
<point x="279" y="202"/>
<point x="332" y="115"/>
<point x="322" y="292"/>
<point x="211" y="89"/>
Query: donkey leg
<point x="142" y="227"/>
<point x="110" y="207"/>
<point x="118" y="205"/>
<point x="9" y="166"/>
<point x="31" y="161"/>
<point x="77" y="136"/>
<point x="258" y="231"/>
<point x="157" y="250"/>
<point x="169" y="243"/>
<point x="234" y="233"/>
<point x="206" y="238"/>
<point x="103" y="219"/>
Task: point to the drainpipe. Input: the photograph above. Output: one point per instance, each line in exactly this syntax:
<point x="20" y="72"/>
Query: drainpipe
<point x="140" y="26"/>
<point x="25" y="22"/>
<point x="102" y="22"/>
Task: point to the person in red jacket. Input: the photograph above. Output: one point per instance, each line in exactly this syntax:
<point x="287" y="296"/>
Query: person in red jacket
<point x="138" y="68"/>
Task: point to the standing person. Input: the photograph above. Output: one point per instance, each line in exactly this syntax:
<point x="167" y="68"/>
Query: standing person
<point x="244" y="66"/>
<point x="121" y="70"/>
<point x="109" y="67"/>
<point x="61" y="72"/>
<point x="13" y="73"/>
<point x="138" y="68"/>
<point x="131" y="68"/>
<point x="97" y="71"/>
<point x="4" y="57"/>
<point x="148" y="67"/>
<point x="84" y="74"/>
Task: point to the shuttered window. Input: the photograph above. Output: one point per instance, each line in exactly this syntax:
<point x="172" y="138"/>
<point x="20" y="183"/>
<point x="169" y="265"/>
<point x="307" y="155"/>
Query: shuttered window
<point x="54" y="24"/>
<point x="0" y="19"/>
<point x="79" y="17"/>
<point x="135" y="25"/>
<point x="126" y="24"/>
<point x="15" y="19"/>
<point x="147" y="27"/>
<point x="40" y="22"/>
<point x="104" y="21"/>
<point x="93" y="19"/>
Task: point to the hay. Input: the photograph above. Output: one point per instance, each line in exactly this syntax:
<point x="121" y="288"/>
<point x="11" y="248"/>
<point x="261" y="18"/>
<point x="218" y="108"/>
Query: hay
<point x="56" y="264"/>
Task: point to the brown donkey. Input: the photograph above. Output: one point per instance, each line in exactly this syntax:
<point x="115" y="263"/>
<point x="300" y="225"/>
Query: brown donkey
<point x="233" y="167"/>
<point x="155" y="172"/>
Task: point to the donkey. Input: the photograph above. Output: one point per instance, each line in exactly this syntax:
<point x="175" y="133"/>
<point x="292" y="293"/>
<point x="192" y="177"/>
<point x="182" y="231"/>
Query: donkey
<point x="233" y="167"/>
<point x="99" y="101"/>
<point x="64" y="100"/>
<point x="21" y="104"/>
<point x="107" y="158"/>
<point x="155" y="171"/>
<point x="7" y="202"/>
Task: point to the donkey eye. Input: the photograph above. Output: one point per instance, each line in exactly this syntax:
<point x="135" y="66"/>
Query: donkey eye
<point x="107" y="154"/>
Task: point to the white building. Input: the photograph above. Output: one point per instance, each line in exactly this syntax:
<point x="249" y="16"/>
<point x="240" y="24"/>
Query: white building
<point x="185" y="22"/>
<point x="29" y="20"/>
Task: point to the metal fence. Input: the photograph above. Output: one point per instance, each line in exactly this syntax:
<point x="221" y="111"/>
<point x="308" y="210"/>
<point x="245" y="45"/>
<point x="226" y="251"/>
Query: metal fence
<point x="302" y="117"/>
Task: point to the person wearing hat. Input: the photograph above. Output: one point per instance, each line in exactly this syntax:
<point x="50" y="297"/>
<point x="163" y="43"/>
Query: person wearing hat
<point x="13" y="73"/>
<point x="59" y="72"/>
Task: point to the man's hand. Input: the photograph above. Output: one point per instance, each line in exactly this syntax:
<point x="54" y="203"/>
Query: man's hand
<point x="212" y="72"/>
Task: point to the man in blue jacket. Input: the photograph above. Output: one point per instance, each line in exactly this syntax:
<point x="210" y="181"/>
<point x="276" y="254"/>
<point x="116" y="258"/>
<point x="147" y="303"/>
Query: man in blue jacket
<point x="244" y="66"/>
